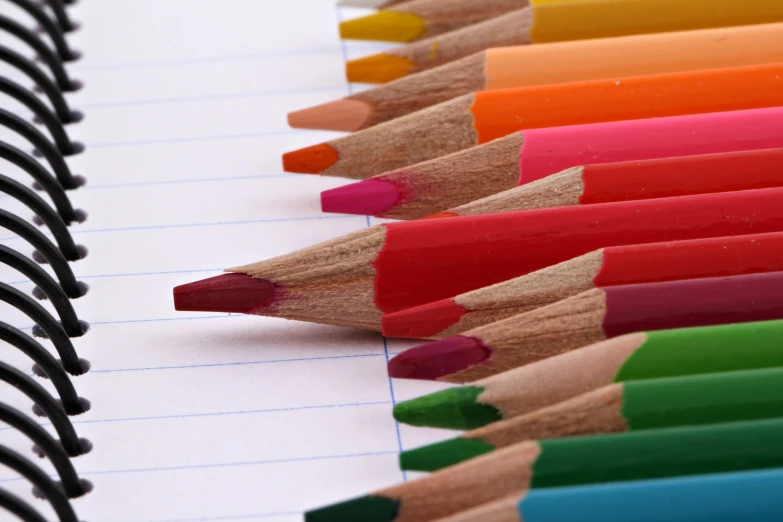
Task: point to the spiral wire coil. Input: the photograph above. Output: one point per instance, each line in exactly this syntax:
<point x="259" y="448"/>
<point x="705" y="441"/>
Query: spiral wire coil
<point x="38" y="56"/>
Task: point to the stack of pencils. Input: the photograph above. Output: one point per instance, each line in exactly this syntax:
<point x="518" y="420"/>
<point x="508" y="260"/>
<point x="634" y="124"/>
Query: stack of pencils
<point x="593" y="243"/>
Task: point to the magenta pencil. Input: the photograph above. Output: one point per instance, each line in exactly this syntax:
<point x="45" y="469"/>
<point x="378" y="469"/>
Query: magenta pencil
<point x="450" y="181"/>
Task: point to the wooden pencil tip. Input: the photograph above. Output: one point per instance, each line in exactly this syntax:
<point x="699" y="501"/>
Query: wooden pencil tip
<point x="339" y="115"/>
<point x="310" y="160"/>
<point x="370" y="197"/>
<point x="377" y="68"/>
<point x="232" y="293"/>
<point x="422" y="322"/>
<point x="384" y="26"/>
<point x="439" y="359"/>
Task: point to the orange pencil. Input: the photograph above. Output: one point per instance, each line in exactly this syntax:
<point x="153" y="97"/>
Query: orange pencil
<point x="563" y="62"/>
<point x="547" y="21"/>
<point x="484" y="116"/>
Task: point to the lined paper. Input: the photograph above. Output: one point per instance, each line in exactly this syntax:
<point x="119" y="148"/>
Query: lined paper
<point x="202" y="417"/>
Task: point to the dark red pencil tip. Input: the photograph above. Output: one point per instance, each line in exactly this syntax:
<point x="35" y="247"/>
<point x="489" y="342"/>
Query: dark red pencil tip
<point x="439" y="359"/>
<point x="238" y="293"/>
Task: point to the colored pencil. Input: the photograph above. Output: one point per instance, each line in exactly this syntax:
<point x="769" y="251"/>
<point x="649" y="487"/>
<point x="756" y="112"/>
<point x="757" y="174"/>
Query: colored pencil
<point x="374" y="4"/>
<point x="353" y="280"/>
<point x="565" y="62"/>
<point x="620" y="407"/>
<point x="418" y="19"/>
<point x="590" y="317"/>
<point x="718" y="497"/>
<point x="600" y="183"/>
<point x="631" y="357"/>
<point x="484" y="116"/>
<point x="611" y="266"/>
<point x="624" y="181"/>
<point x="693" y="450"/>
<point x="524" y="157"/>
<point x="561" y="20"/>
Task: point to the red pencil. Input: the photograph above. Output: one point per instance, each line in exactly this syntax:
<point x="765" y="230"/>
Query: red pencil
<point x="590" y="317"/>
<point x="353" y="280"/>
<point x="607" y="182"/>
<point x="521" y="158"/>
<point x="611" y="266"/>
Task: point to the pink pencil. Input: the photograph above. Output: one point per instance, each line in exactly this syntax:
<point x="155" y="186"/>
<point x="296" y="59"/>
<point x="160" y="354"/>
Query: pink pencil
<point x="453" y="180"/>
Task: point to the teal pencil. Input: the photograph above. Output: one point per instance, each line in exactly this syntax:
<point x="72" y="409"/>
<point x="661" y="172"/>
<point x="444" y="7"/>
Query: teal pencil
<point x="723" y="497"/>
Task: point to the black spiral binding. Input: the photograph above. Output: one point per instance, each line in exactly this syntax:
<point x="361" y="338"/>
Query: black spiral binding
<point x="46" y="197"/>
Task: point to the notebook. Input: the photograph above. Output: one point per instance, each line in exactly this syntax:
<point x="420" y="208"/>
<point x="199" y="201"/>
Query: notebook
<point x="204" y="417"/>
<point x="201" y="417"/>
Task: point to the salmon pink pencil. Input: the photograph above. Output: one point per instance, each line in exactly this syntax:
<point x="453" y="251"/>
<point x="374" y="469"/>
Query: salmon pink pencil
<point x="353" y="280"/>
<point x="563" y="62"/>
<point x="590" y="317"/>
<point x="479" y="118"/>
<point x="523" y="157"/>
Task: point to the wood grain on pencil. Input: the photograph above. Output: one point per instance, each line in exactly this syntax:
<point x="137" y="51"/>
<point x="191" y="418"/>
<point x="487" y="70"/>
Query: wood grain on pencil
<point x="620" y="407"/>
<point x="631" y="357"/>
<point x="487" y="115"/>
<point x="718" y="497"/>
<point x="418" y="19"/>
<point x="564" y="62"/>
<point x="563" y="20"/>
<point x="546" y="463"/>
<point x="624" y="181"/>
<point x="611" y="266"/>
<point x="590" y="184"/>
<point x="352" y="280"/>
<point x="521" y="158"/>
<point x="590" y="317"/>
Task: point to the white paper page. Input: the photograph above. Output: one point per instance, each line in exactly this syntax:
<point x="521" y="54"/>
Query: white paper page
<point x="202" y="417"/>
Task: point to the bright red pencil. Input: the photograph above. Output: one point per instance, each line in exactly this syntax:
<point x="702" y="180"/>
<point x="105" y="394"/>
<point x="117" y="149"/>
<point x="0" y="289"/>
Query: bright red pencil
<point x="625" y="181"/>
<point x="353" y="280"/>
<point x="611" y="266"/>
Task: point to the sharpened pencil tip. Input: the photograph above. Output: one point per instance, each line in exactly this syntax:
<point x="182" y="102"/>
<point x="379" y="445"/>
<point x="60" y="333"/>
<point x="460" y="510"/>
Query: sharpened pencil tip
<point x="422" y="322"/>
<point x="384" y="26"/>
<point x="455" y="409"/>
<point x="370" y="197"/>
<point x="339" y="115"/>
<point x="439" y="359"/>
<point x="362" y="509"/>
<point x="443" y="454"/>
<point x="232" y="293"/>
<point x="310" y="160"/>
<point x="377" y="68"/>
